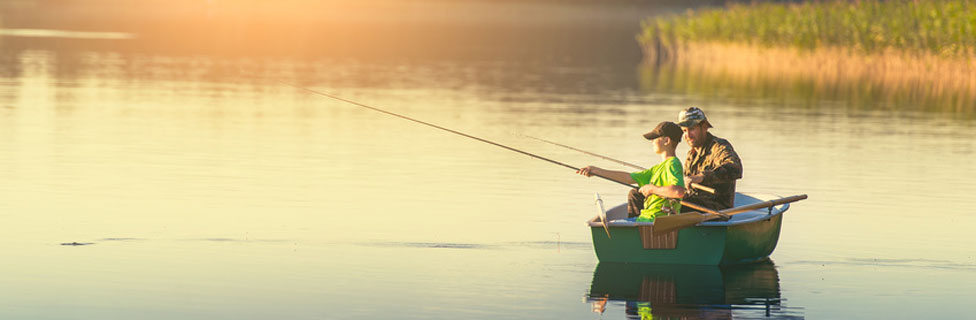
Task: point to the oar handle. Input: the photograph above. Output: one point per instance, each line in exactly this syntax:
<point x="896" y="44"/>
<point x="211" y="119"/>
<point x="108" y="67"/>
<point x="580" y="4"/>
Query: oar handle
<point x="761" y="205"/>
<point x="699" y="208"/>
<point x="703" y="188"/>
<point x="599" y="203"/>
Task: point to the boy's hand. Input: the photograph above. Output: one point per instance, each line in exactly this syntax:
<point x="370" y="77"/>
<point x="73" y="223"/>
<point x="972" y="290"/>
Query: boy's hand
<point x="588" y="171"/>
<point x="647" y="190"/>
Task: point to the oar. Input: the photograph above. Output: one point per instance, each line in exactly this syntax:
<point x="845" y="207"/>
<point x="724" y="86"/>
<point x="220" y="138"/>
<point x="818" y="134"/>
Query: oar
<point x="703" y="209"/>
<point x="667" y="224"/>
<point x="602" y="214"/>
<point x="693" y="185"/>
<point x="770" y="203"/>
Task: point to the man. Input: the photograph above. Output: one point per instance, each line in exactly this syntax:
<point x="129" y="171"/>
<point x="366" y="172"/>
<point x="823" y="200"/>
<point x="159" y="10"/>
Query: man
<point x="661" y="186"/>
<point x="711" y="162"/>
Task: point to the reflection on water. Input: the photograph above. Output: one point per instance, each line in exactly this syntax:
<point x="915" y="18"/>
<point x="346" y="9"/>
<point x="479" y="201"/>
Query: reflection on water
<point x="647" y="291"/>
<point x="806" y="93"/>
<point x="211" y="191"/>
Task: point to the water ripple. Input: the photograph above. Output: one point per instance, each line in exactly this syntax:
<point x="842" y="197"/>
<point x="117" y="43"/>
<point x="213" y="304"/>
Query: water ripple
<point x="47" y="33"/>
<point x="880" y="262"/>
<point x="432" y="245"/>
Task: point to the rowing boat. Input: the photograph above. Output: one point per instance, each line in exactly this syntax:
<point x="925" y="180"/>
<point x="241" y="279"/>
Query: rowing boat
<point x="747" y="237"/>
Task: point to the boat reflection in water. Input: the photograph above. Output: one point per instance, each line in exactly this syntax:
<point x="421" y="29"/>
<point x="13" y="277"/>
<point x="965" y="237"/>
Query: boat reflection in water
<point x="690" y="291"/>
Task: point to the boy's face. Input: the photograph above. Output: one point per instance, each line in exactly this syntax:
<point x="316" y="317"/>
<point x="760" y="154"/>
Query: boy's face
<point x="660" y="144"/>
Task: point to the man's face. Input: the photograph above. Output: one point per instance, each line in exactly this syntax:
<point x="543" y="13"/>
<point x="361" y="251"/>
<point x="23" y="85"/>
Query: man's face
<point x="695" y="135"/>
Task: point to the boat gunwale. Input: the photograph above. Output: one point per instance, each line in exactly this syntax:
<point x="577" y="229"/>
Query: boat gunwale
<point x="737" y="219"/>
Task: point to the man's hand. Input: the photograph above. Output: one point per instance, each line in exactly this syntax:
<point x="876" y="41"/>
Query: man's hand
<point x="698" y="178"/>
<point x="589" y="171"/>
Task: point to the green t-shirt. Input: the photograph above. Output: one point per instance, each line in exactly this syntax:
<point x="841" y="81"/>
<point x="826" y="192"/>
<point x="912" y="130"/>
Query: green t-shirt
<point x="666" y="173"/>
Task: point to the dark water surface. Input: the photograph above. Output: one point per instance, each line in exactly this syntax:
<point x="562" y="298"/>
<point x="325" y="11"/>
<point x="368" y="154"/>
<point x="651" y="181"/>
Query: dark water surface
<point x="160" y="134"/>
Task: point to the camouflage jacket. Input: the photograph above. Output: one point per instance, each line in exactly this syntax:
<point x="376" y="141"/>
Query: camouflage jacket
<point x="720" y="167"/>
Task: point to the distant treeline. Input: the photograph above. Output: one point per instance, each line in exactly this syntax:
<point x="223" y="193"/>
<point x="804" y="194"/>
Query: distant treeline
<point x="940" y="27"/>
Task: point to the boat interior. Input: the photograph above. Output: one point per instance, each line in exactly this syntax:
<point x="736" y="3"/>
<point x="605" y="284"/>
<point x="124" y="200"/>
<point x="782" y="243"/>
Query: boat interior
<point x="617" y="215"/>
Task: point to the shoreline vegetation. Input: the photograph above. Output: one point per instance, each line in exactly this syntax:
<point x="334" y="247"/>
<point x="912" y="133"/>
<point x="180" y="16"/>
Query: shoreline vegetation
<point x="904" y="53"/>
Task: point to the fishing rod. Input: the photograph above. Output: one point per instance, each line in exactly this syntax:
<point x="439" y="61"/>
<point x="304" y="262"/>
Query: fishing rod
<point x="693" y="206"/>
<point x="583" y="151"/>
<point x="693" y="185"/>
<point x="446" y="129"/>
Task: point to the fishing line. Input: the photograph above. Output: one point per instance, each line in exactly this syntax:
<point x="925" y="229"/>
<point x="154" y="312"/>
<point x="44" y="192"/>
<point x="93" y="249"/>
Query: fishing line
<point x="693" y="185"/>
<point x="584" y="152"/>
<point x="445" y="129"/>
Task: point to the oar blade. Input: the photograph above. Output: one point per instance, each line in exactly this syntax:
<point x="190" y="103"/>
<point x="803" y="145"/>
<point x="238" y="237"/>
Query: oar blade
<point x="666" y="224"/>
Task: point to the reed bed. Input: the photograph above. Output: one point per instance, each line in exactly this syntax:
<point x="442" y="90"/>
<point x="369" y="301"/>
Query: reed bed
<point x="927" y="82"/>
<point x="921" y="48"/>
<point x="944" y="27"/>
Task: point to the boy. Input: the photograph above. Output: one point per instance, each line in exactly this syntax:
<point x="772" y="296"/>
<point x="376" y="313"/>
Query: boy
<point x="662" y="185"/>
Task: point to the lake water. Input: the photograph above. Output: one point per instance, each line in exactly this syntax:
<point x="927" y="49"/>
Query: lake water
<point x="166" y="137"/>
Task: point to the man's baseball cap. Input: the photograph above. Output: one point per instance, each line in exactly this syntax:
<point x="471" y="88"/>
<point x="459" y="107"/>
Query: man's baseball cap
<point x="665" y="129"/>
<point x="692" y="116"/>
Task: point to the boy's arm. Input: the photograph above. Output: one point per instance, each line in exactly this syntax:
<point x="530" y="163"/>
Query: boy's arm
<point x="675" y="191"/>
<point x="673" y="182"/>
<point x="620" y="176"/>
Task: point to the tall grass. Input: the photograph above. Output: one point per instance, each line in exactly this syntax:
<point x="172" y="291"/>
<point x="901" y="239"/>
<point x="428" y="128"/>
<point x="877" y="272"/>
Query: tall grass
<point x="921" y="51"/>
<point x="872" y="82"/>
<point x="943" y="27"/>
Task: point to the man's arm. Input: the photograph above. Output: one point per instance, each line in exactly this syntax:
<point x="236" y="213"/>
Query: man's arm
<point x="620" y="176"/>
<point x="728" y="167"/>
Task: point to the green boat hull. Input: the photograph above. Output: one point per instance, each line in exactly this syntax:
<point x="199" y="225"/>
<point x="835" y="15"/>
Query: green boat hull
<point x="706" y="244"/>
